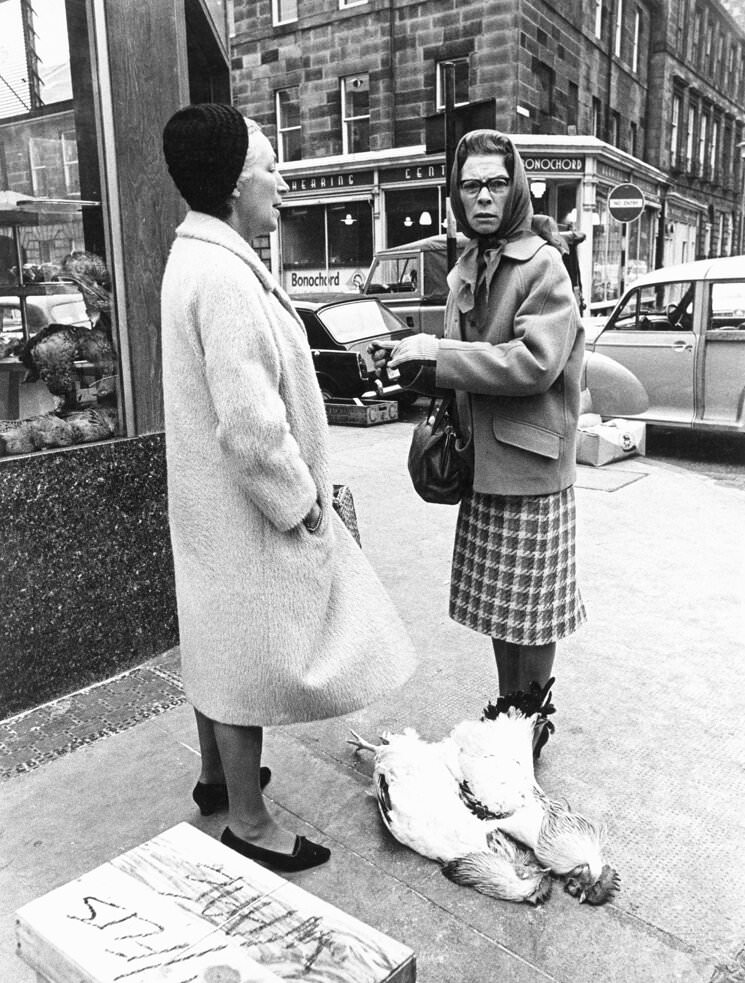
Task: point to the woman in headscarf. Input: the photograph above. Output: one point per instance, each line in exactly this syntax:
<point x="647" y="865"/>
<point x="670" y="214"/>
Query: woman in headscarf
<point x="512" y="351"/>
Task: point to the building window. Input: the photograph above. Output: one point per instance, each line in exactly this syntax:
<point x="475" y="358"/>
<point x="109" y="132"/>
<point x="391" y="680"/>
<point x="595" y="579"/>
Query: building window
<point x="637" y="38"/>
<point x="697" y="25"/>
<point x="675" y="131"/>
<point x="284" y="11"/>
<point x="355" y="101"/>
<point x="690" y="137"/>
<point x="615" y="129"/>
<point x="572" y="105"/>
<point x="543" y="80"/>
<point x="598" y="18"/>
<point x="702" y="134"/>
<point x="288" y="125"/>
<point x="343" y="4"/>
<point x="619" y="29"/>
<point x="714" y="149"/>
<point x="461" y="82"/>
<point x="634" y="139"/>
<point x="597" y="117"/>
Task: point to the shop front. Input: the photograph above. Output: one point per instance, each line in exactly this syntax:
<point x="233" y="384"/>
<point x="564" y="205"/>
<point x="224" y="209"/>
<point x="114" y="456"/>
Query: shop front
<point x="87" y="215"/>
<point x="338" y="213"/>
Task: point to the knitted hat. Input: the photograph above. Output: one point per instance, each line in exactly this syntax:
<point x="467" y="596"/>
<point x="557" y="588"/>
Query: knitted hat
<point x="205" y="147"/>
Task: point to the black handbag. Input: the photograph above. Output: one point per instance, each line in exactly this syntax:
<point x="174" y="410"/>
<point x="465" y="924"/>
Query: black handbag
<point x="438" y="471"/>
<point x="343" y="503"/>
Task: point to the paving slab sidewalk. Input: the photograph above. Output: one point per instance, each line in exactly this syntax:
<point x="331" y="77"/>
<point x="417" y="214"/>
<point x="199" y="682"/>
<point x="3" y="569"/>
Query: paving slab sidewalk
<point x="649" y="738"/>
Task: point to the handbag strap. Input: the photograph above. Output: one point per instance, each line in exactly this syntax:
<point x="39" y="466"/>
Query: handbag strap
<point x="442" y="410"/>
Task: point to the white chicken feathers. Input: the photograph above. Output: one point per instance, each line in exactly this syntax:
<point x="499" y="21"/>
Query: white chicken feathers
<point x="465" y="801"/>
<point x="417" y="786"/>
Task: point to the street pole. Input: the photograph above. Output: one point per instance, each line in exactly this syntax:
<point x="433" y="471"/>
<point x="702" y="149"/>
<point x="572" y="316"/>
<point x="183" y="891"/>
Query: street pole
<point x="622" y="277"/>
<point x="449" y="78"/>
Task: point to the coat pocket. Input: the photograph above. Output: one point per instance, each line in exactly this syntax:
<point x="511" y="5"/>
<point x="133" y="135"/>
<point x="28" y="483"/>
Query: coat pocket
<point x="527" y="436"/>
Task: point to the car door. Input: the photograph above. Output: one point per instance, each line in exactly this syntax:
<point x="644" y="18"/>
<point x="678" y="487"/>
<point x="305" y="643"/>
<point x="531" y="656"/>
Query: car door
<point x="652" y="334"/>
<point x="723" y="369"/>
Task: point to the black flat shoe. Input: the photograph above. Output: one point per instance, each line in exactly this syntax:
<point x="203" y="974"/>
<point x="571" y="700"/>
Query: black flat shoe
<point x="214" y="798"/>
<point x="305" y="854"/>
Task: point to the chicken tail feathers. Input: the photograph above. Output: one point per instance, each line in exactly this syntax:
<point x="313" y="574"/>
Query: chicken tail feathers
<point x="497" y="877"/>
<point x="536" y="700"/>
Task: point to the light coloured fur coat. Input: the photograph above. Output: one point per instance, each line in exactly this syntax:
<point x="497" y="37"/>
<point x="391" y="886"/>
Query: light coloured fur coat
<point x="277" y="624"/>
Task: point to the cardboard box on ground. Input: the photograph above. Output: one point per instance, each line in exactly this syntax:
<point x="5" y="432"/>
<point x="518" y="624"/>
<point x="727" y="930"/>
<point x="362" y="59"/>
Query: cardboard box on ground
<point x="601" y="442"/>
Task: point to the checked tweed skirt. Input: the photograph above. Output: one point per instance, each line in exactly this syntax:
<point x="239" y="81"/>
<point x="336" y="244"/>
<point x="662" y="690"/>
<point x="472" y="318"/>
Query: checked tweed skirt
<point x="513" y="573"/>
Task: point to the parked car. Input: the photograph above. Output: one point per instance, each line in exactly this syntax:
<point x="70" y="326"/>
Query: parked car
<point x="339" y="333"/>
<point x="411" y="280"/>
<point x="681" y="331"/>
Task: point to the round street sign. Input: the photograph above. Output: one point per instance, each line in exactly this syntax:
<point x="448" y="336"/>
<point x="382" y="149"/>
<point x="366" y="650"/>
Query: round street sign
<point x="626" y="202"/>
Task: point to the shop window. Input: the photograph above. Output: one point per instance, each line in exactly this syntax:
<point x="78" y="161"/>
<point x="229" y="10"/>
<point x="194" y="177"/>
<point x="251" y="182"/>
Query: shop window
<point x="289" y="133"/>
<point x="413" y="213"/>
<point x="36" y="64"/>
<point x="355" y="100"/>
<point x="324" y="246"/>
<point x="460" y="69"/>
<point x="283" y="11"/>
<point x="60" y="380"/>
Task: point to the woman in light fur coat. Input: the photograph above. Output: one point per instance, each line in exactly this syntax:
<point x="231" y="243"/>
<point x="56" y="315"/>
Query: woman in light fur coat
<point x="281" y="617"/>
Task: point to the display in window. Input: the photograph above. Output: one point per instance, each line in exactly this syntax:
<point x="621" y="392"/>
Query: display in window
<point x="58" y="364"/>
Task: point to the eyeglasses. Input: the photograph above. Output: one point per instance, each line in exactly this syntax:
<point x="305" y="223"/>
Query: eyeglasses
<point x="494" y="185"/>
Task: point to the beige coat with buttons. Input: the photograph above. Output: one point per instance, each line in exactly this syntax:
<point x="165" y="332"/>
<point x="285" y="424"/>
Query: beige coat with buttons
<point x="277" y="624"/>
<point x="516" y="367"/>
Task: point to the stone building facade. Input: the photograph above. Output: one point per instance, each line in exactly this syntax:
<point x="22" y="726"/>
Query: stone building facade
<point x="587" y="88"/>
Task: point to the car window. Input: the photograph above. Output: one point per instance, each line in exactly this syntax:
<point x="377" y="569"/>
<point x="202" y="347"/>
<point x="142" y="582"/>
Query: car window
<point x="358" y="320"/>
<point x="727" y="305"/>
<point x="656" y="307"/>
<point x="317" y="337"/>
<point x="397" y="275"/>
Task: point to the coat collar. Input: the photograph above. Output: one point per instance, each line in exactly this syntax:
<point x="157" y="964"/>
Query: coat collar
<point x="462" y="278"/>
<point x="207" y="228"/>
